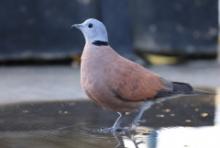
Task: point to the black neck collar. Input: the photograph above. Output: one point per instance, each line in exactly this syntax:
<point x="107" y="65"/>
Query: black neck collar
<point x="100" y="43"/>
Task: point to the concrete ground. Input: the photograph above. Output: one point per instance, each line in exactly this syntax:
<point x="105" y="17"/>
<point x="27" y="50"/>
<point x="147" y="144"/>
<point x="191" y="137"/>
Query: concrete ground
<point x="48" y="83"/>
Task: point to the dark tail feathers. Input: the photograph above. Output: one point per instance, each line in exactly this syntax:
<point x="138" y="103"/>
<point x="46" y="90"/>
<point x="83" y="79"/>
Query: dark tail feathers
<point x="183" y="88"/>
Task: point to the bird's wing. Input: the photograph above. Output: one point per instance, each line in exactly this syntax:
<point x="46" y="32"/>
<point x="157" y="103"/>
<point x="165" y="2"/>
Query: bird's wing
<point x="132" y="82"/>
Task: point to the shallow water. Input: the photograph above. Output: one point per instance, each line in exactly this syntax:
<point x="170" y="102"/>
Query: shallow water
<point x="190" y="121"/>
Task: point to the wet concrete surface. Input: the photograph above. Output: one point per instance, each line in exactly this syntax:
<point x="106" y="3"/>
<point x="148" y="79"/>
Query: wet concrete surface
<point x="76" y="124"/>
<point x="183" y="111"/>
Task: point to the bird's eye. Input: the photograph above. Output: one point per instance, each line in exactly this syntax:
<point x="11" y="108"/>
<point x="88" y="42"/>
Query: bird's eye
<point x="90" y="25"/>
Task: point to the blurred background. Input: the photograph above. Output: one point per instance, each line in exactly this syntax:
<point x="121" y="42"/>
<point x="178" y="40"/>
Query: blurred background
<point x="40" y="29"/>
<point x="177" y="39"/>
<point x="41" y="101"/>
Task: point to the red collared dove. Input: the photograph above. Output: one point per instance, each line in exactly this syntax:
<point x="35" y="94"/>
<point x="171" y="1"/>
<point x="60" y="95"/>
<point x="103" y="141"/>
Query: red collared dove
<point x="115" y="82"/>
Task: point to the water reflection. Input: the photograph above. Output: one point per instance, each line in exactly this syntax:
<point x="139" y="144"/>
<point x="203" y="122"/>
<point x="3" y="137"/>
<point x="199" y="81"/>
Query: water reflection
<point x="217" y="107"/>
<point x="176" y="137"/>
<point x="183" y="122"/>
<point x="181" y="137"/>
<point x="143" y="138"/>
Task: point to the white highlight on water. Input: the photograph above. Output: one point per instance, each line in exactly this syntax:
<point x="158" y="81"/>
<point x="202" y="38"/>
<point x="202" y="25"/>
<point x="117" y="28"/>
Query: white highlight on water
<point x="217" y="107"/>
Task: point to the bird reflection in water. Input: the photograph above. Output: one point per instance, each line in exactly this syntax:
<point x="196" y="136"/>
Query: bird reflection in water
<point x="142" y="137"/>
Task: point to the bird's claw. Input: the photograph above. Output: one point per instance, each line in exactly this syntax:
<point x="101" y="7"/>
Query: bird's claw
<point x="111" y="130"/>
<point x="134" y="126"/>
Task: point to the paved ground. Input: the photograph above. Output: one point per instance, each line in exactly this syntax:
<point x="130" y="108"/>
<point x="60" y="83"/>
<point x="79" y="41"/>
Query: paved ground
<point x="39" y="83"/>
<point x="199" y="73"/>
<point x="42" y="83"/>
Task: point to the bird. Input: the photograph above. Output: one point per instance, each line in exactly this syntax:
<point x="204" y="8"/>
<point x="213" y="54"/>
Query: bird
<point x="119" y="84"/>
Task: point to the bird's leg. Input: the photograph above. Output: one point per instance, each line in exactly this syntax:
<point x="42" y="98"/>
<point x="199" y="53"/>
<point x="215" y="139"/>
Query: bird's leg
<point x="117" y="123"/>
<point x="142" y="109"/>
<point x="115" y="127"/>
<point x="146" y="105"/>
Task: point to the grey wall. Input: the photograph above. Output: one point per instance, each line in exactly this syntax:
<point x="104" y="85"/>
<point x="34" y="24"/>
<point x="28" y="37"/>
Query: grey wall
<point x="41" y="28"/>
<point x="185" y="26"/>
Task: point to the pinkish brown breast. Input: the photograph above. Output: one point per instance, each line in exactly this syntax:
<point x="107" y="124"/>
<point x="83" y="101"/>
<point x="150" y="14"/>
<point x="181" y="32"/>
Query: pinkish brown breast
<point x="115" y="82"/>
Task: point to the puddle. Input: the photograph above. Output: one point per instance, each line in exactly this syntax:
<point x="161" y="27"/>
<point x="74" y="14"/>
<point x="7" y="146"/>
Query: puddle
<point x="190" y="122"/>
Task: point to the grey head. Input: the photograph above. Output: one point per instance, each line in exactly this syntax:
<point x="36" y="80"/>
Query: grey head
<point x="93" y="30"/>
